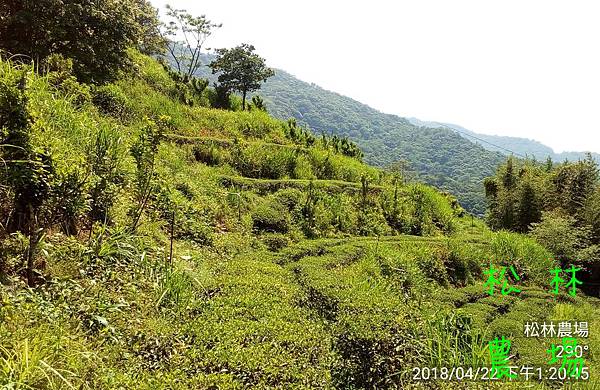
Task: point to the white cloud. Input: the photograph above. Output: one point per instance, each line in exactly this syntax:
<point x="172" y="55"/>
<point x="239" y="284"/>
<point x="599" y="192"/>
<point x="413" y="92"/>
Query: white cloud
<point x="521" y="68"/>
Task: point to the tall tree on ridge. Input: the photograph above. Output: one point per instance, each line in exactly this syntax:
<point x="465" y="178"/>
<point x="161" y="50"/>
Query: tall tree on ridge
<point x="241" y="70"/>
<point x="194" y="30"/>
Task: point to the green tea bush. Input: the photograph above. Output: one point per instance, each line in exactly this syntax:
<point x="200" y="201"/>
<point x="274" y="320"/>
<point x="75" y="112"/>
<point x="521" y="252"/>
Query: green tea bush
<point x="290" y="198"/>
<point x="270" y="216"/>
<point x="192" y="222"/>
<point x="185" y="190"/>
<point x="371" y="222"/>
<point x="345" y="213"/>
<point x="432" y="265"/>
<point x="462" y="263"/>
<point x="431" y="211"/>
<point x="275" y="241"/>
<point x="323" y="219"/>
<point x="261" y="161"/>
<point x="303" y="169"/>
<point x="210" y="155"/>
<point x="371" y="363"/>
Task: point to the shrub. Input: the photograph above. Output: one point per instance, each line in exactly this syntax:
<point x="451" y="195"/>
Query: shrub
<point x="110" y="100"/>
<point x="290" y="198"/>
<point x="191" y="222"/>
<point x="59" y="71"/>
<point x="462" y="263"/>
<point x="77" y="93"/>
<point x="43" y="194"/>
<point x="105" y="160"/>
<point x="275" y="241"/>
<point x="11" y="253"/>
<point x="144" y="152"/>
<point x="269" y="216"/>
<point x="185" y="190"/>
<point x="209" y="155"/>
<point x="302" y="168"/>
<point x="371" y="222"/>
<point x="432" y="265"/>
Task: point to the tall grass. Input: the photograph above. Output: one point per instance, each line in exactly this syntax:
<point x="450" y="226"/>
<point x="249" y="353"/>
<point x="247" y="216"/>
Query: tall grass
<point x="40" y="360"/>
<point x="449" y="340"/>
<point x="530" y="259"/>
<point x="176" y="290"/>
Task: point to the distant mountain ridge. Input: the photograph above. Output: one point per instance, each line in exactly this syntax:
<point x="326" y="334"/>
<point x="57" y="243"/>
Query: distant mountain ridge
<point x="507" y="145"/>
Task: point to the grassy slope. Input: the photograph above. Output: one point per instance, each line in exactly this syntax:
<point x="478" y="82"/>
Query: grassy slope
<point x="439" y="157"/>
<point x="334" y="312"/>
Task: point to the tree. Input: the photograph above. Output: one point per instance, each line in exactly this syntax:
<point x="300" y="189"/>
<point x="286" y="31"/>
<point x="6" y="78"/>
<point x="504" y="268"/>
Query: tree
<point x="94" y="33"/>
<point x="241" y="70"/>
<point x="508" y="178"/>
<point x="150" y="41"/>
<point x="529" y="207"/>
<point x="558" y="203"/>
<point x="559" y="234"/>
<point x="194" y="30"/>
<point x="576" y="182"/>
<point x="259" y="103"/>
<point x="591" y="215"/>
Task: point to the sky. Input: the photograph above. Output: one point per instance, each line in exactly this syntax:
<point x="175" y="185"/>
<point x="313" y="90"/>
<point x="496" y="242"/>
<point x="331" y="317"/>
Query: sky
<point x="525" y="68"/>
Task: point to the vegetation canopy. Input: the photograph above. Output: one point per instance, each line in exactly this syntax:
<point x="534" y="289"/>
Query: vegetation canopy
<point x="241" y="70"/>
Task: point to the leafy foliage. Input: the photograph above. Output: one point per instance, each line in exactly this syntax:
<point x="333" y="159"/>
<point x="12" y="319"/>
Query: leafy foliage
<point x="144" y="153"/>
<point x="556" y="202"/>
<point x="110" y="100"/>
<point x="95" y="34"/>
<point x="195" y="31"/>
<point x="106" y="166"/>
<point x="241" y="70"/>
<point x="41" y="195"/>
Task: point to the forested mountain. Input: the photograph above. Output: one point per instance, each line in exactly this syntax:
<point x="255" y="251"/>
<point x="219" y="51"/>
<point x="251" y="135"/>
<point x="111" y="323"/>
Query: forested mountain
<point x="508" y="145"/>
<point x="436" y="156"/>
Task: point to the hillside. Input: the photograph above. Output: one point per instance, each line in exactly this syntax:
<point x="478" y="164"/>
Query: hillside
<point x="436" y="152"/>
<point x="439" y="157"/>
<point x="509" y="145"/>
<point x="293" y="265"/>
